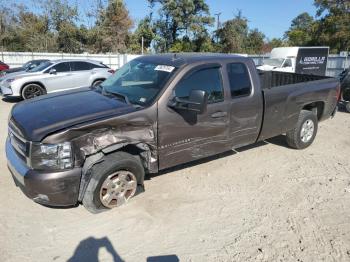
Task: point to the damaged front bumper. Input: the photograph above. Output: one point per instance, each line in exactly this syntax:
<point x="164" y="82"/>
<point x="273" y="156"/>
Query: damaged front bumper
<point x="48" y="188"/>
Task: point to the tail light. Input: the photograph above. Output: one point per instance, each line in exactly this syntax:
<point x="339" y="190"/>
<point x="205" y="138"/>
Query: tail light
<point x="111" y="71"/>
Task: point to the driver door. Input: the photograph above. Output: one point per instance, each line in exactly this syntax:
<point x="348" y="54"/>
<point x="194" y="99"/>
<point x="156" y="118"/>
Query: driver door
<point x="183" y="135"/>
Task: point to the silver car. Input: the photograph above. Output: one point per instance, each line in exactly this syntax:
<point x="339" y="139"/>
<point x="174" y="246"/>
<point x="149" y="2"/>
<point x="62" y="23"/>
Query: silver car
<point x="55" y="76"/>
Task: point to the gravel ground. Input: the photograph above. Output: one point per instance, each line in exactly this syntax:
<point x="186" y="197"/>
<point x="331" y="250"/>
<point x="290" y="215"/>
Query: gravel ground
<point x="262" y="203"/>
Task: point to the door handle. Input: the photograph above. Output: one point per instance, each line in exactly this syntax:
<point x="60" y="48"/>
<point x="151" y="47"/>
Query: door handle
<point x="219" y="114"/>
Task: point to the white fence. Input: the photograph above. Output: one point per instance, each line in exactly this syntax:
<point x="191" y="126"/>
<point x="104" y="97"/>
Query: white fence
<point x="335" y="64"/>
<point x="15" y="59"/>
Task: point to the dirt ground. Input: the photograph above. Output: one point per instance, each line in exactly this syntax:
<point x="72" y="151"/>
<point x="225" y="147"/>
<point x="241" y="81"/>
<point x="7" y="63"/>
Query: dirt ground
<point x="262" y="203"/>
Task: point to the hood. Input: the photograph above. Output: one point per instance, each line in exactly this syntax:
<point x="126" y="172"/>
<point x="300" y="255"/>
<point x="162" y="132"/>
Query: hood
<point x="39" y="117"/>
<point x="18" y="74"/>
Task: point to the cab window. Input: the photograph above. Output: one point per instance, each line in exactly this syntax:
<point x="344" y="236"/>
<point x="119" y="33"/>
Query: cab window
<point x="240" y="84"/>
<point x="207" y="79"/>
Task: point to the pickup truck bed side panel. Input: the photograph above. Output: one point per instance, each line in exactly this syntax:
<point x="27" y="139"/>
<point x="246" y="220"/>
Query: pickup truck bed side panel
<point x="284" y="103"/>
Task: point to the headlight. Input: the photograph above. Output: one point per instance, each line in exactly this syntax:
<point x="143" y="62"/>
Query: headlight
<point x="51" y="156"/>
<point x="10" y="80"/>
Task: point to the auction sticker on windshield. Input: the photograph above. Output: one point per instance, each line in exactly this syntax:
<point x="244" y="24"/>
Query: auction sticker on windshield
<point x="164" y="68"/>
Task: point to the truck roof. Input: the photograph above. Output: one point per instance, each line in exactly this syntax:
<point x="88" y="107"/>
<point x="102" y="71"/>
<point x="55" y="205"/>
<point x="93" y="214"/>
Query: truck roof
<point x="179" y="59"/>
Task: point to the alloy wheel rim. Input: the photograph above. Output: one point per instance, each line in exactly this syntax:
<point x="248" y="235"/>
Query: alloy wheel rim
<point x="118" y="188"/>
<point x="32" y="91"/>
<point x="307" y="131"/>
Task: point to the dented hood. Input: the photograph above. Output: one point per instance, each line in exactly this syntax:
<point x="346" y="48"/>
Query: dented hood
<point x="42" y="116"/>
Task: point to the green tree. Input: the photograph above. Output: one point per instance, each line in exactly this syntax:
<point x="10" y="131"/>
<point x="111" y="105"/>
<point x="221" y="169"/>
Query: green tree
<point x="181" y="18"/>
<point x="232" y="36"/>
<point x="255" y="42"/>
<point x="334" y="24"/>
<point x="236" y="37"/>
<point x="301" y="31"/>
<point x="112" y="28"/>
<point x="144" y="30"/>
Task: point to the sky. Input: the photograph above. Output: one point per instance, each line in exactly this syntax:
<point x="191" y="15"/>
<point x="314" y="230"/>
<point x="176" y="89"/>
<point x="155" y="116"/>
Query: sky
<point x="272" y="17"/>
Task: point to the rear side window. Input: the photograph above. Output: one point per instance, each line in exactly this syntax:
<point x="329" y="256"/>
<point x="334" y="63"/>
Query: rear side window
<point x="240" y="84"/>
<point x="80" y="66"/>
<point x="208" y="79"/>
<point x="62" y="67"/>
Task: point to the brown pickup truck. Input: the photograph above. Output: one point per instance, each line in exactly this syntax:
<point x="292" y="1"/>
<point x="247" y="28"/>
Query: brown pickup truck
<point x="94" y="146"/>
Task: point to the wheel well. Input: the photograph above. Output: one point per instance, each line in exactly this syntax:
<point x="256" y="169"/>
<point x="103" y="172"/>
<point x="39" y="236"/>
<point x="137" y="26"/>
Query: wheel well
<point x="99" y="79"/>
<point x="316" y="107"/>
<point x="132" y="149"/>
<point x="37" y="83"/>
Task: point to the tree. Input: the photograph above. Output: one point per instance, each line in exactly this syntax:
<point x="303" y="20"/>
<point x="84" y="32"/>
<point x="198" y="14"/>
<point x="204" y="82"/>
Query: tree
<point x="236" y="37"/>
<point x="334" y="23"/>
<point x="255" y="42"/>
<point x="112" y="29"/>
<point x="233" y="34"/>
<point x="181" y="18"/>
<point x="301" y="31"/>
<point x="144" y="30"/>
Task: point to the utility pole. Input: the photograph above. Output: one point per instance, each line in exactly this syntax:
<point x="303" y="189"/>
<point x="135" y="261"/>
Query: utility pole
<point x="142" y="44"/>
<point x="218" y="25"/>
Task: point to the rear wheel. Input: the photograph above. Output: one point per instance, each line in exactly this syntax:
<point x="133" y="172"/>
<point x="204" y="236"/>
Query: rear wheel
<point x="304" y="132"/>
<point x="97" y="83"/>
<point x="113" y="182"/>
<point x="32" y="90"/>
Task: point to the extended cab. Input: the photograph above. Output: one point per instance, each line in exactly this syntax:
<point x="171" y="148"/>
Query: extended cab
<point x="94" y="146"/>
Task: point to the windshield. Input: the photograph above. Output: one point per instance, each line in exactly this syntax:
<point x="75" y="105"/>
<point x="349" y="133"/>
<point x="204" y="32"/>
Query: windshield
<point x="40" y="67"/>
<point x="274" y="62"/>
<point x="139" y="81"/>
<point x="27" y="65"/>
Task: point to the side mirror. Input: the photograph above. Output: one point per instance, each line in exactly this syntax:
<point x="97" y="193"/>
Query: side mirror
<point x="197" y="102"/>
<point x="52" y="71"/>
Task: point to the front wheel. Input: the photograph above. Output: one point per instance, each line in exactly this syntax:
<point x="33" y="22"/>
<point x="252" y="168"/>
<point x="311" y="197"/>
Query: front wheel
<point x="113" y="182"/>
<point x="32" y="90"/>
<point x="304" y="132"/>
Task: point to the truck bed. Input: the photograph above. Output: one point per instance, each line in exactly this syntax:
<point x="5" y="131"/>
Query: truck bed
<point x="271" y="79"/>
<point x="286" y="94"/>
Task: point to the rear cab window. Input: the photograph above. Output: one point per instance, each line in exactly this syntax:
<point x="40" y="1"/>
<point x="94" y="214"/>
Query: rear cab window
<point x="239" y="78"/>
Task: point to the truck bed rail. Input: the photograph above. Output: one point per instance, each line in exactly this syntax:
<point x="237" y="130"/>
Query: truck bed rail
<point x="270" y="79"/>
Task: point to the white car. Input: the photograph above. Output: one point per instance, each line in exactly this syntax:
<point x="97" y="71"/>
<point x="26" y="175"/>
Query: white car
<point x="55" y="76"/>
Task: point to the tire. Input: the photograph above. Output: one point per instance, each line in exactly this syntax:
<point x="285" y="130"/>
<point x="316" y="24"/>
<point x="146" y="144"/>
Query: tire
<point x="347" y="107"/>
<point x="32" y="90"/>
<point x="96" y="83"/>
<point x="113" y="167"/>
<point x="304" y="132"/>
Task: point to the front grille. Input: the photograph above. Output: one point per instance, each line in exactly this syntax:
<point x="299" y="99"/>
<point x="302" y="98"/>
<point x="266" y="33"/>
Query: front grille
<point x="20" y="145"/>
